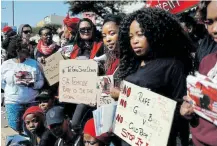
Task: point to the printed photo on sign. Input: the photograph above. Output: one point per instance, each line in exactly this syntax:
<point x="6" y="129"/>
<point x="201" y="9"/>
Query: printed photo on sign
<point x="143" y="118"/>
<point x="24" y="77"/>
<point x="202" y="93"/>
<point x="104" y="85"/>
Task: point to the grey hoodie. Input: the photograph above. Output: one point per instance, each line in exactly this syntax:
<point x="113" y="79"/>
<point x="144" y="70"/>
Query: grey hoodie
<point x="20" y="29"/>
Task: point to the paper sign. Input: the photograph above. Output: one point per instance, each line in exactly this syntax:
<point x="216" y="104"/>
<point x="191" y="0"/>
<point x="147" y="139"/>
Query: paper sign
<point x="143" y="118"/>
<point x="77" y="81"/>
<point x="104" y="84"/>
<point x="51" y="68"/>
<point x="173" y="6"/>
<point x="203" y="96"/>
<point x="104" y="118"/>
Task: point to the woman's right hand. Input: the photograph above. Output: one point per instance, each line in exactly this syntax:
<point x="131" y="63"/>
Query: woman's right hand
<point x="114" y="92"/>
<point x="186" y="109"/>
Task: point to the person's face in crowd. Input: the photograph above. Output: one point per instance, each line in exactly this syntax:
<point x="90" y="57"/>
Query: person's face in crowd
<point x="110" y="35"/>
<point x="23" y="54"/>
<point x="85" y="30"/>
<point x="211" y="21"/>
<point x="46" y="36"/>
<point x="89" y="140"/>
<point x="26" y="33"/>
<point x="138" y="40"/>
<point x="32" y="122"/>
<point x="60" y="130"/>
<point x="45" y="105"/>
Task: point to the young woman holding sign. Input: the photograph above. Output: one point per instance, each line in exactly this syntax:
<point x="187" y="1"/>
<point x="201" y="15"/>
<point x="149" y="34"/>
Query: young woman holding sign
<point x="204" y="132"/>
<point x="155" y="54"/>
<point x="110" y="30"/>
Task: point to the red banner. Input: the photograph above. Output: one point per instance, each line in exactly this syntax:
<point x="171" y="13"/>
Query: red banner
<point x="174" y="6"/>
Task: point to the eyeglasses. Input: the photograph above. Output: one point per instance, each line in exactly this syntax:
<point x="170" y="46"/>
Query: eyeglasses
<point x="90" y="142"/>
<point x="27" y="31"/>
<point x="85" y="30"/>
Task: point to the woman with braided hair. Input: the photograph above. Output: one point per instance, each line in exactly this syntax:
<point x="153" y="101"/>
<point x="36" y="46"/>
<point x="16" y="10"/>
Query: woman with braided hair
<point x="110" y="30"/>
<point x="155" y="54"/>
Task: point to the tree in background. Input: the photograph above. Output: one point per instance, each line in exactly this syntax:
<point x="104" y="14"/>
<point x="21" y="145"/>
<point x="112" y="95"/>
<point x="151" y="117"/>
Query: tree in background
<point x="101" y="8"/>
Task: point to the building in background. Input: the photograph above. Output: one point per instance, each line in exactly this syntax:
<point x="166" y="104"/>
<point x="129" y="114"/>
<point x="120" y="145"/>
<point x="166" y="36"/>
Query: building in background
<point x="54" y="19"/>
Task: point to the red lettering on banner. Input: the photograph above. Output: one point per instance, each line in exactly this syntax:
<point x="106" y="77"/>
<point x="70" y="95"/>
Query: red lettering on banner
<point x="174" y="6"/>
<point x="119" y="118"/>
<point x="123" y="103"/>
<point x="127" y="134"/>
<point x="139" y="142"/>
<point x="127" y="91"/>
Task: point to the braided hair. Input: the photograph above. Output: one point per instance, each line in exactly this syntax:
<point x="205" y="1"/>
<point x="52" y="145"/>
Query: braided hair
<point x="111" y="55"/>
<point x="164" y="34"/>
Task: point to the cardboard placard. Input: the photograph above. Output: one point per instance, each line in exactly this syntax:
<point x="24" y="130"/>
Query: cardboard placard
<point x="143" y="118"/>
<point x="104" y="84"/>
<point x="77" y="81"/>
<point x="51" y="68"/>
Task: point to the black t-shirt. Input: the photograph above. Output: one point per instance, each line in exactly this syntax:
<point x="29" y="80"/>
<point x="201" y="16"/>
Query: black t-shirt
<point x="46" y="138"/>
<point x="163" y="76"/>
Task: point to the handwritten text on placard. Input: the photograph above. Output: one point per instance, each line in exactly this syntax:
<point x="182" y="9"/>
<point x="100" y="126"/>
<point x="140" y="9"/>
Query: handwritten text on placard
<point x="143" y="118"/>
<point x="51" y="68"/>
<point x="78" y="79"/>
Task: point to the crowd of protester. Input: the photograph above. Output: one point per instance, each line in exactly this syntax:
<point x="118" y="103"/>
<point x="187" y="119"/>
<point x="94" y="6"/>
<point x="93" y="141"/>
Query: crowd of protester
<point x="151" y="48"/>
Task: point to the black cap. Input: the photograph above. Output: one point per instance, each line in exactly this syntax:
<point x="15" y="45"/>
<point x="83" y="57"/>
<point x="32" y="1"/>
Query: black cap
<point x="44" y="95"/>
<point x="55" y="115"/>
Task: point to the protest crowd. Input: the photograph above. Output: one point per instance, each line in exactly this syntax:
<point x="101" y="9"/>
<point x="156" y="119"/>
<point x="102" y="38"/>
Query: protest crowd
<point x="148" y="78"/>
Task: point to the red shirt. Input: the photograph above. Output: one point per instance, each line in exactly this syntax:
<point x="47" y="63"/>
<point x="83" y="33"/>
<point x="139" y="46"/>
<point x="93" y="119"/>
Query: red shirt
<point x="113" y="67"/>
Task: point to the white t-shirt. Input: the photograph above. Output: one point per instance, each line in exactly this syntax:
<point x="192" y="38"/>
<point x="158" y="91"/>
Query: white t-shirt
<point x="15" y="92"/>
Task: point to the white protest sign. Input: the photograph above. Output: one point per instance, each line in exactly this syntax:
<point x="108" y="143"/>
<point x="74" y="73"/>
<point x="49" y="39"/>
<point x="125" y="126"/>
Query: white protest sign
<point x="143" y="118"/>
<point x="77" y="81"/>
<point x="104" y="84"/>
<point x="51" y="68"/>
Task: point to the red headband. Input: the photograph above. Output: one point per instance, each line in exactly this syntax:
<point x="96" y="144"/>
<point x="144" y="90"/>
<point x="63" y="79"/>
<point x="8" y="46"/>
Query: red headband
<point x="32" y="110"/>
<point x="89" y="128"/>
<point x="71" y="23"/>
